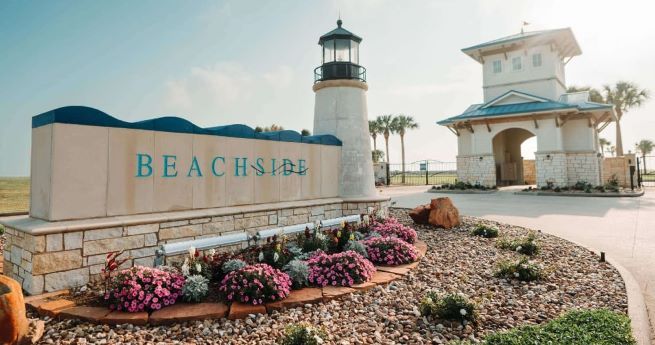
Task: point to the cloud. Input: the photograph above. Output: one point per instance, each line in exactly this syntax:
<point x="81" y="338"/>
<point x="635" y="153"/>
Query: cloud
<point x="213" y="87"/>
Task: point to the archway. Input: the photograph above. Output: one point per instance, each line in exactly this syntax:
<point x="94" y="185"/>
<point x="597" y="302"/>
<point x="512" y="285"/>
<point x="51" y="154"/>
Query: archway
<point x="507" y="155"/>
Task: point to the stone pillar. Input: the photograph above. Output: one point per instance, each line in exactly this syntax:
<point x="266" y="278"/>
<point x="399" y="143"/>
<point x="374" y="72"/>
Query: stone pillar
<point x="583" y="166"/>
<point x="341" y="110"/>
<point x="477" y="169"/>
<point x="551" y="167"/>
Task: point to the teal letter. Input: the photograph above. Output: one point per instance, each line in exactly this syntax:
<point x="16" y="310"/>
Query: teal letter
<point x="273" y="167"/>
<point x="288" y="167"/>
<point x="242" y="166"/>
<point x="301" y="167"/>
<point x="214" y="166"/>
<point x="168" y="164"/>
<point x="260" y="167"/>
<point x="140" y="164"/>
<point x="194" y="166"/>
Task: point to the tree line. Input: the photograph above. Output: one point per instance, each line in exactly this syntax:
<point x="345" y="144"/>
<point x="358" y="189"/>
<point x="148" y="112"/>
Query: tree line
<point x="386" y="125"/>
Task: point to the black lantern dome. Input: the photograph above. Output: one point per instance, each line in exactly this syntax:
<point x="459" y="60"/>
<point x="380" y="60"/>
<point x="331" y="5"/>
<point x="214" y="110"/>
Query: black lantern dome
<point x="340" y="57"/>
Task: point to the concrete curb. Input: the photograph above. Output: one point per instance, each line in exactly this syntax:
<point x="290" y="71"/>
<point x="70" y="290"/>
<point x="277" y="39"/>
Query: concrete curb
<point x="587" y="195"/>
<point x="641" y="329"/>
<point x="449" y="191"/>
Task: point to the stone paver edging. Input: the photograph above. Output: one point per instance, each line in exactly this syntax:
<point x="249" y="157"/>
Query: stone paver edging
<point x="55" y="305"/>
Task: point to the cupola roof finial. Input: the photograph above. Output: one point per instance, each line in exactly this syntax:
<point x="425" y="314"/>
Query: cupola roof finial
<point x="339" y="21"/>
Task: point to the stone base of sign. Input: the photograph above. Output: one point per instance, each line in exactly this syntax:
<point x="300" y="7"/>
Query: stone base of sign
<point x="48" y="256"/>
<point x="181" y="312"/>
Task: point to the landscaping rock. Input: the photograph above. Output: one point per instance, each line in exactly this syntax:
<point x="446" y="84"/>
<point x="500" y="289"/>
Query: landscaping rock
<point x="13" y="322"/>
<point x="443" y="213"/>
<point x="421" y="214"/>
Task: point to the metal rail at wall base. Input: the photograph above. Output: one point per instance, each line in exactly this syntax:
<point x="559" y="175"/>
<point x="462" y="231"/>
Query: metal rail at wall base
<point x="177" y="248"/>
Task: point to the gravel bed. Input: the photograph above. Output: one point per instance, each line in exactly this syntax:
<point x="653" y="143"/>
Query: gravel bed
<point x="455" y="262"/>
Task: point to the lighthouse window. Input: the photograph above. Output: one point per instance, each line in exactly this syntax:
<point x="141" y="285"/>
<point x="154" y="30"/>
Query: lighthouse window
<point x="516" y="64"/>
<point x="343" y="50"/>
<point x="354" y="52"/>
<point x="328" y="51"/>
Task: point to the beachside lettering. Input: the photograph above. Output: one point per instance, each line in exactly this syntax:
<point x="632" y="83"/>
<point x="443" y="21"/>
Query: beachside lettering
<point x="217" y="166"/>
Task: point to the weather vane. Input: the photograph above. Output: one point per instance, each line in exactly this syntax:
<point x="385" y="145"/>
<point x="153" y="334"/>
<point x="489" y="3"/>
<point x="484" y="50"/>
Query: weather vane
<point x="523" y="25"/>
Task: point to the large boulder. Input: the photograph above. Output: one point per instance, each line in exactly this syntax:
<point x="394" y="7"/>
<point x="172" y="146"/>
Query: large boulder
<point x="13" y="322"/>
<point x="443" y="213"/>
<point x="420" y="214"/>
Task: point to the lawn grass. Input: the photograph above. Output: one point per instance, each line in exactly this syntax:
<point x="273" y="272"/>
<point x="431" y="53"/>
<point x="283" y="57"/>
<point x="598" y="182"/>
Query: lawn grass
<point x="419" y="179"/>
<point x="14" y="194"/>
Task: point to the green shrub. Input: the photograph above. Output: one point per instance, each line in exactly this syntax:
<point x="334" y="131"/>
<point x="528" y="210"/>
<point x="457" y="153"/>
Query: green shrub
<point x="485" y="231"/>
<point x="448" y="307"/>
<point x="195" y="288"/>
<point x="303" y="334"/>
<point x="522" y="270"/>
<point x="2" y="230"/>
<point x="602" y="327"/>
<point x="526" y="245"/>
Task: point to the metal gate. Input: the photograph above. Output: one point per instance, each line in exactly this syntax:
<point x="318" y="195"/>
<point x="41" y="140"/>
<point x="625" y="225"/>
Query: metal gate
<point x="646" y="169"/>
<point x="425" y="172"/>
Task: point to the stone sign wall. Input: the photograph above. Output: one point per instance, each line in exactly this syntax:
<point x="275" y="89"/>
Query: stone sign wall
<point x="87" y="164"/>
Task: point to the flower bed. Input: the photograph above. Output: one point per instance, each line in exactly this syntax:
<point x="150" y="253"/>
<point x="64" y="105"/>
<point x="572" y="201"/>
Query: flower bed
<point x="341" y="269"/>
<point x="390" y="251"/>
<point x="260" y="274"/>
<point x="143" y="289"/>
<point x="255" y="284"/>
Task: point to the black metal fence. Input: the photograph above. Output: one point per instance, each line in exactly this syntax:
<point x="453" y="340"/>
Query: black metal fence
<point x="646" y="169"/>
<point x="426" y="172"/>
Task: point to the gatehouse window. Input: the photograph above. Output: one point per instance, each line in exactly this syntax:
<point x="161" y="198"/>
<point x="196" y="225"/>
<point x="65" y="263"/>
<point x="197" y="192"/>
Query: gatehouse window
<point x="498" y="67"/>
<point x="516" y="64"/>
<point x="536" y="60"/>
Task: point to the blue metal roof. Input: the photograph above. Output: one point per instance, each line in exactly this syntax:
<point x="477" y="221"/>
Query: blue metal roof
<point x="80" y="115"/>
<point x="480" y="111"/>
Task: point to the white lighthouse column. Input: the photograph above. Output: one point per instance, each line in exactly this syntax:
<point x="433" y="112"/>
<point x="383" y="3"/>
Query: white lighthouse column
<point x="341" y="110"/>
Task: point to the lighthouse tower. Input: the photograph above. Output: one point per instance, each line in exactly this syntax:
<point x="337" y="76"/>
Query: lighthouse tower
<point x="340" y="109"/>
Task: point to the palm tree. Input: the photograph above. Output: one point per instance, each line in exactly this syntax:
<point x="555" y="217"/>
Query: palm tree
<point x="624" y="96"/>
<point x="387" y="127"/>
<point x="305" y="132"/>
<point x="644" y="147"/>
<point x="604" y="142"/>
<point x="377" y="155"/>
<point x="374" y="130"/>
<point x="612" y="150"/>
<point x="404" y="123"/>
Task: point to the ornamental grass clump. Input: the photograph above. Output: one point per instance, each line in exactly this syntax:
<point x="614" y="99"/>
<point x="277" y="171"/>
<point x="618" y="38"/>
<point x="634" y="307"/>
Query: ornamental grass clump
<point x="303" y="333"/>
<point x="522" y="270"/>
<point x="451" y="306"/>
<point x="341" y="269"/>
<point x="195" y="288"/>
<point x="143" y="288"/>
<point x="392" y="227"/>
<point x="485" y="231"/>
<point x="390" y="251"/>
<point x="255" y="284"/>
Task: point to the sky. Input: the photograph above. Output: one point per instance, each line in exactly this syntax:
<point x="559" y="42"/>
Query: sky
<point x="252" y="62"/>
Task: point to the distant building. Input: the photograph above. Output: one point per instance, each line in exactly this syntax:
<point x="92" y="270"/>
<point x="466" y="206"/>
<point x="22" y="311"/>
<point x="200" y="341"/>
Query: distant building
<point x="524" y="87"/>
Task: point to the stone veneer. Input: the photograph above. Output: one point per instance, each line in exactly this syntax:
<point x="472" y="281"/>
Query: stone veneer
<point x="567" y="168"/>
<point x="478" y="169"/>
<point x="619" y="167"/>
<point x="48" y="256"/>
